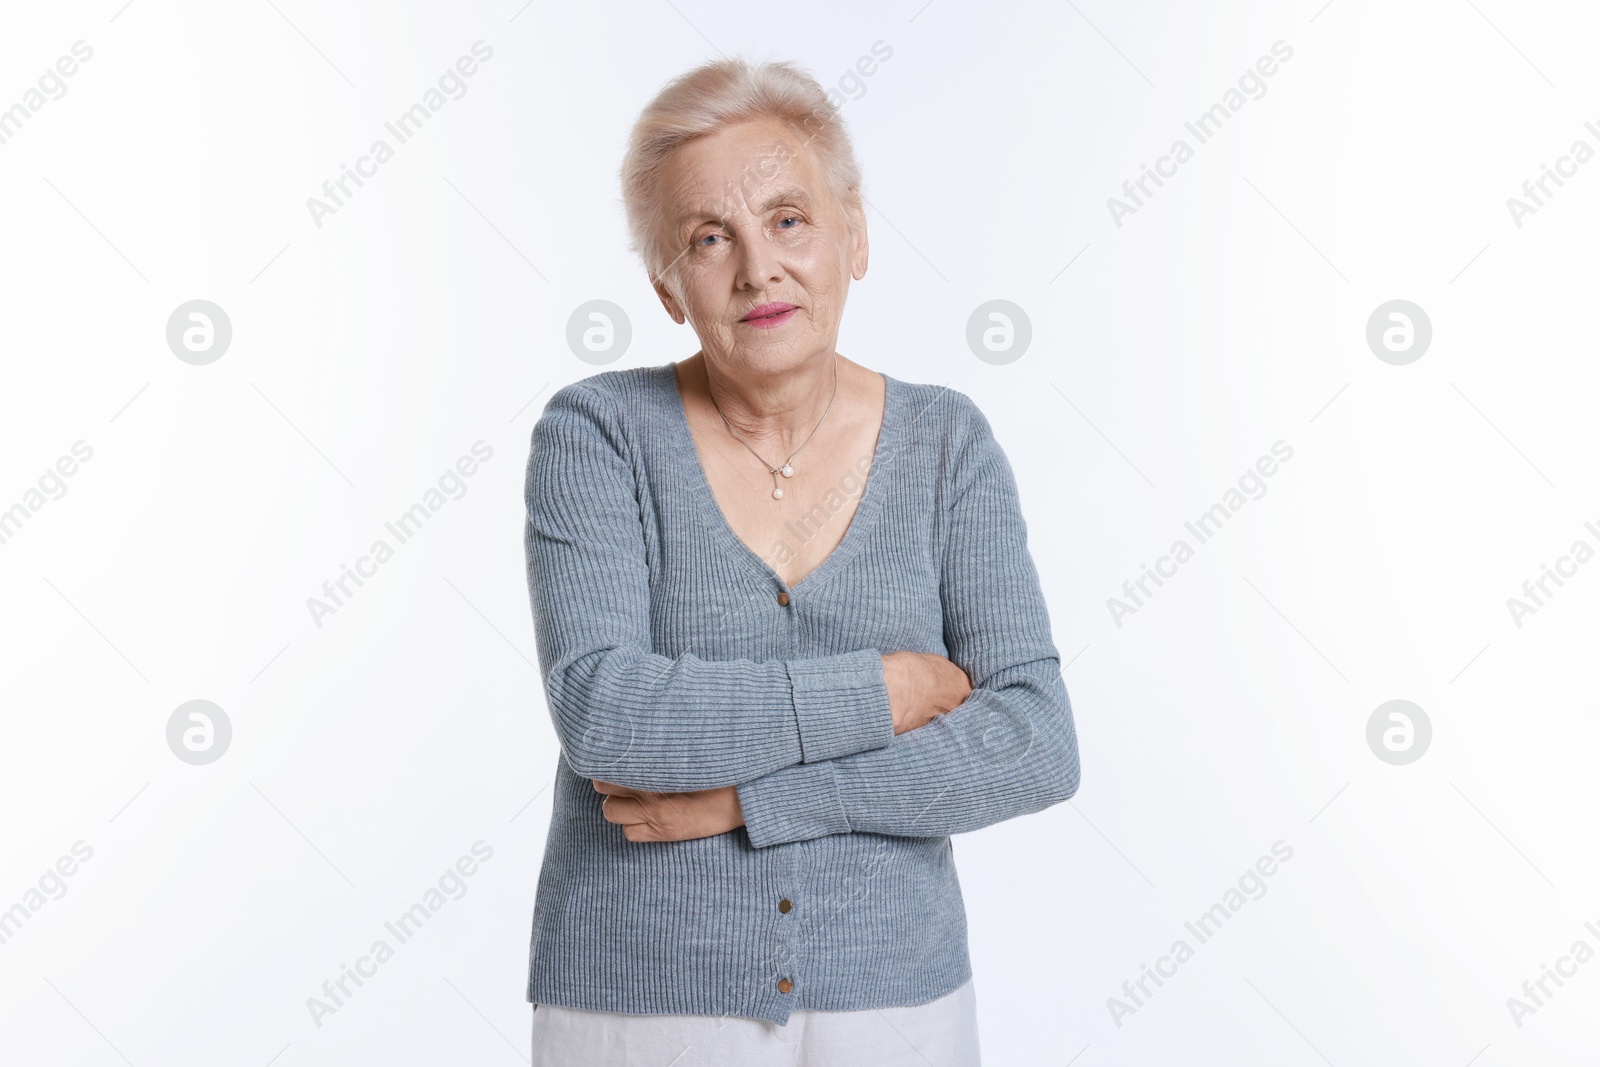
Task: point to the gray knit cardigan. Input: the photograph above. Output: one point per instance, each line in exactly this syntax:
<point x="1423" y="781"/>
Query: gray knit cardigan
<point x="675" y="659"/>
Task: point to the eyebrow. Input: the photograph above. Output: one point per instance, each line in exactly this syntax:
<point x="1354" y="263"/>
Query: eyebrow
<point x="695" y="215"/>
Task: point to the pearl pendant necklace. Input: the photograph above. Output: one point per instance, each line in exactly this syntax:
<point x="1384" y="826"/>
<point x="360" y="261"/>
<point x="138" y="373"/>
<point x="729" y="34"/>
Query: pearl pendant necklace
<point x="787" y="470"/>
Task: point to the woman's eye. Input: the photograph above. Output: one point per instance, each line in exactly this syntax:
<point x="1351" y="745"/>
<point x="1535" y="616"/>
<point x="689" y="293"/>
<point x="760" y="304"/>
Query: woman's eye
<point x="706" y="238"/>
<point x="788" y="218"/>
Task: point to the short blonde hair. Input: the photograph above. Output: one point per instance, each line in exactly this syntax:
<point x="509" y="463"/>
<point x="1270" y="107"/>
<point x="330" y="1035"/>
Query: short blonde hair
<point x="703" y="101"/>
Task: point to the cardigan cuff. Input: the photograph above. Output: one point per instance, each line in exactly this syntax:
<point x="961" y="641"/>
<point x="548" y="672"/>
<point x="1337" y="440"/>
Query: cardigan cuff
<point x="841" y="704"/>
<point x="796" y="803"/>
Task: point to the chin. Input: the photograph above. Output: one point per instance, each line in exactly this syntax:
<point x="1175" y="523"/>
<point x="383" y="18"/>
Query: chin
<point x="767" y="361"/>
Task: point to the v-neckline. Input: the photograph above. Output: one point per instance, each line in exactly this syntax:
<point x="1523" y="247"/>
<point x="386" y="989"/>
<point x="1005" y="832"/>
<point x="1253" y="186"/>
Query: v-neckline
<point x="867" y="509"/>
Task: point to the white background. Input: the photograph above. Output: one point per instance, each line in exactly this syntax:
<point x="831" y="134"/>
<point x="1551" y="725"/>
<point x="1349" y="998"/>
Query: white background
<point x="430" y="312"/>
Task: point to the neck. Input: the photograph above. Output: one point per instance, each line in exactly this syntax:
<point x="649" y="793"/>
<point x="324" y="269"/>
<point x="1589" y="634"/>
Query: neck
<point x="782" y="408"/>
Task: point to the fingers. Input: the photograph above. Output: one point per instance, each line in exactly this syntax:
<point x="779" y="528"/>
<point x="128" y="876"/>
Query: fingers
<point x="622" y="809"/>
<point x="631" y="809"/>
<point x="659" y="816"/>
<point x="633" y="815"/>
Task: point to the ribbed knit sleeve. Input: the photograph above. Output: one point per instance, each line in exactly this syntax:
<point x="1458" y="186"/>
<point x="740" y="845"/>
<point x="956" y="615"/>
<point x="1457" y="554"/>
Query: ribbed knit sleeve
<point x="1010" y="748"/>
<point x="623" y="713"/>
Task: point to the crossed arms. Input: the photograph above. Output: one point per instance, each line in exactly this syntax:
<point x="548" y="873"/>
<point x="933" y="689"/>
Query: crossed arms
<point x="807" y="744"/>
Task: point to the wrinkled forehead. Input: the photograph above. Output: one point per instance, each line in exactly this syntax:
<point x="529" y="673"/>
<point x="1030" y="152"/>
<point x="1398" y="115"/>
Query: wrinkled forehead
<point x="759" y="175"/>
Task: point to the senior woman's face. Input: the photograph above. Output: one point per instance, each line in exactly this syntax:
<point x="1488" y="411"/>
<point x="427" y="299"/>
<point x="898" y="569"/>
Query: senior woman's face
<point x="753" y="223"/>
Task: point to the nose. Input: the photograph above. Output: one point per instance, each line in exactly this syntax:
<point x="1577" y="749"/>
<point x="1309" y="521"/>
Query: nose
<point x="759" y="263"/>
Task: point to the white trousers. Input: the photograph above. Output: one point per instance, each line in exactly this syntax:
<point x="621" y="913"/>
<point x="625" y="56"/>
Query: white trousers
<point x="941" y="1033"/>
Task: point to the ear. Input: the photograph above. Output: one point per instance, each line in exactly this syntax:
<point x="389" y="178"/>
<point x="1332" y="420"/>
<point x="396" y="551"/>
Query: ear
<point x="668" y="301"/>
<point x="858" y="247"/>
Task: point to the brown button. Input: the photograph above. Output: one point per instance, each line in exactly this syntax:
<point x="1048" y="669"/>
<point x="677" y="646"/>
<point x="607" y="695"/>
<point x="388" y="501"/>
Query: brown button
<point x="784" y="905"/>
<point x="784" y="985"/>
<point x="783" y="598"/>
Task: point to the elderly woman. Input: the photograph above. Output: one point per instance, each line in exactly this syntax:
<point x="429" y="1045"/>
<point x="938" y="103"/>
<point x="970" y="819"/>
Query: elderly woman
<point x="791" y="635"/>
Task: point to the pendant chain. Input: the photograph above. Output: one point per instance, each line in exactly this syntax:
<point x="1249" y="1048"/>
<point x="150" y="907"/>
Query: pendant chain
<point x="787" y="470"/>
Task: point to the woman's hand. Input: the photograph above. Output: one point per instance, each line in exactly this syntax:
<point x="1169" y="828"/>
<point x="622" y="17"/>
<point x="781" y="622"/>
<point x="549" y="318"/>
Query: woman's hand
<point x="921" y="687"/>
<point x="646" y="816"/>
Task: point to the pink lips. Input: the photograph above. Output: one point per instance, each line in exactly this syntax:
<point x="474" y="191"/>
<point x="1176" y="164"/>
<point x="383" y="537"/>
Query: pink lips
<point x="768" y="316"/>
